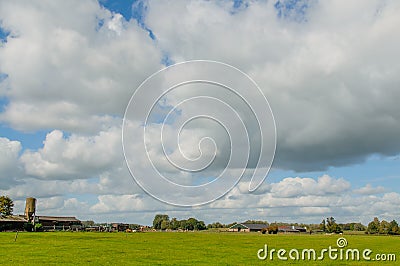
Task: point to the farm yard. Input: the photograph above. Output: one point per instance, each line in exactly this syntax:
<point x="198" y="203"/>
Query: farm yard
<point x="178" y="248"/>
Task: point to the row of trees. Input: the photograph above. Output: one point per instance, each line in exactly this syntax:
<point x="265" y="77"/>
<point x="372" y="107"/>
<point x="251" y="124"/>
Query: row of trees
<point x="374" y="227"/>
<point x="216" y="225"/>
<point x="329" y="225"/>
<point x="162" y="222"/>
<point x="383" y="227"/>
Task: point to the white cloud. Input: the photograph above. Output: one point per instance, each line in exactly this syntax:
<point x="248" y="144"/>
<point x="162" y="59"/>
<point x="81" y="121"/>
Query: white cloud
<point x="110" y="199"/>
<point x="9" y="153"/>
<point x="71" y="66"/>
<point x="294" y="187"/>
<point x="368" y="189"/>
<point x="75" y="156"/>
<point x="10" y="172"/>
<point x="317" y="198"/>
<point x="119" y="203"/>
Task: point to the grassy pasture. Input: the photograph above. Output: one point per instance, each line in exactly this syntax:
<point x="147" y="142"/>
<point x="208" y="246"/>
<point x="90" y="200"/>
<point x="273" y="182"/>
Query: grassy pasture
<point x="176" y="248"/>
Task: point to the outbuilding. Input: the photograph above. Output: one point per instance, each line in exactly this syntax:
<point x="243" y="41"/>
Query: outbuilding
<point x="58" y="222"/>
<point x="247" y="227"/>
<point x="12" y="223"/>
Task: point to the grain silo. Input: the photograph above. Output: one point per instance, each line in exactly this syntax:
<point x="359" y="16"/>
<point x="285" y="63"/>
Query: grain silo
<point x="30" y="208"/>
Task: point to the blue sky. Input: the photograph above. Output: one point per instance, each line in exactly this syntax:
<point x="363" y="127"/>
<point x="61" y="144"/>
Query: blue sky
<point x="62" y="101"/>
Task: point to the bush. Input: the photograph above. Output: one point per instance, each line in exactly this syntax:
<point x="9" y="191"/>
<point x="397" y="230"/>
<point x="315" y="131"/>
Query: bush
<point x="38" y="227"/>
<point x="273" y="229"/>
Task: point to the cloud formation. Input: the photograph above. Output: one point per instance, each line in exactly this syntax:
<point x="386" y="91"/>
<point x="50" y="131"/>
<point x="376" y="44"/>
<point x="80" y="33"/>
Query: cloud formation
<point x="70" y="66"/>
<point x="10" y="172"/>
<point x="331" y="80"/>
<point x="279" y="201"/>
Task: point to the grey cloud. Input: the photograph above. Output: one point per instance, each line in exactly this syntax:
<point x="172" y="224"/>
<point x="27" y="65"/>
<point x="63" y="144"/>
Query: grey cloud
<point x="332" y="82"/>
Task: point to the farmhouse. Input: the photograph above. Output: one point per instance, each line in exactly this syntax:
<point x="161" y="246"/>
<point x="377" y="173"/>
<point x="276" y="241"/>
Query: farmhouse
<point x="247" y="227"/>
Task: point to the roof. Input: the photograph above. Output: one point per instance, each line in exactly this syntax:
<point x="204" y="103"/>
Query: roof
<point x="291" y="228"/>
<point x="57" y="218"/>
<point x="255" y="226"/>
<point x="13" y="218"/>
<point x="249" y="226"/>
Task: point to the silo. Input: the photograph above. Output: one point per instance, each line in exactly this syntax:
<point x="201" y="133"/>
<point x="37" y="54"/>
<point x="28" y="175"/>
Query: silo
<point x="30" y="208"/>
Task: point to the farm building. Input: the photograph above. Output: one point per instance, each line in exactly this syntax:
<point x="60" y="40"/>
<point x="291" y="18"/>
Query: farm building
<point x="292" y="229"/>
<point x="12" y="223"/>
<point x="58" y="222"/>
<point x="21" y="222"/>
<point x="119" y="227"/>
<point x="247" y="227"/>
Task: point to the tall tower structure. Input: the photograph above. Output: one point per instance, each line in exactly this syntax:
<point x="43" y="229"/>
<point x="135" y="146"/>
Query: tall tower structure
<point x="30" y="209"/>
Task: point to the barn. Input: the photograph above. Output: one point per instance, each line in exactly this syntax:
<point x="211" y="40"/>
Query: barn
<point x="247" y="227"/>
<point x="119" y="227"/>
<point x="292" y="229"/>
<point x="58" y="222"/>
<point x="12" y="223"/>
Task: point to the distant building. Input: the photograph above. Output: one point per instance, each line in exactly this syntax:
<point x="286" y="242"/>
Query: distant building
<point x="247" y="227"/>
<point x="21" y="222"/>
<point x="12" y="223"/>
<point x="120" y="227"/>
<point x="292" y="229"/>
<point x="58" y="223"/>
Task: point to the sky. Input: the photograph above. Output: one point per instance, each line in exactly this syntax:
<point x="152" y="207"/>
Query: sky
<point x="329" y="70"/>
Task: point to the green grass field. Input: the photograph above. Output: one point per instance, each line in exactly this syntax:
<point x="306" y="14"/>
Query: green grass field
<point x="176" y="248"/>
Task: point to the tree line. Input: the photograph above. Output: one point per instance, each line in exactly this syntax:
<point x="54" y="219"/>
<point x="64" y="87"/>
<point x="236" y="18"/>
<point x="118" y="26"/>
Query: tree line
<point x="162" y="222"/>
<point x="383" y="227"/>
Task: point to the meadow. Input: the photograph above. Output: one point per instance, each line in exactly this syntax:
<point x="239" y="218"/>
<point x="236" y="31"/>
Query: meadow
<point x="177" y="248"/>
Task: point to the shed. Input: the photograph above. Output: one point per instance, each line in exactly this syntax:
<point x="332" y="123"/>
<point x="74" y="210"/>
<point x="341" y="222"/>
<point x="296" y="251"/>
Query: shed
<point x="292" y="229"/>
<point x="12" y="222"/>
<point x="247" y="227"/>
<point x="58" y="222"/>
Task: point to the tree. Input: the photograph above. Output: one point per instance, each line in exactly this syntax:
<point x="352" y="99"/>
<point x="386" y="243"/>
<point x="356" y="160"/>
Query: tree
<point x="373" y="227"/>
<point x="191" y="224"/>
<point x="164" y="224"/>
<point x="216" y="225"/>
<point x="158" y="220"/>
<point x="182" y="224"/>
<point x="384" y="227"/>
<point x="200" y="225"/>
<point x="332" y="226"/>
<point x="174" y="224"/>
<point x="256" y="222"/>
<point x="38" y="227"/>
<point x="273" y="229"/>
<point x="6" y="206"/>
<point x="394" y="228"/>
<point x="87" y="223"/>
<point x="134" y="226"/>
<point x="322" y="225"/>
<point x="359" y="227"/>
